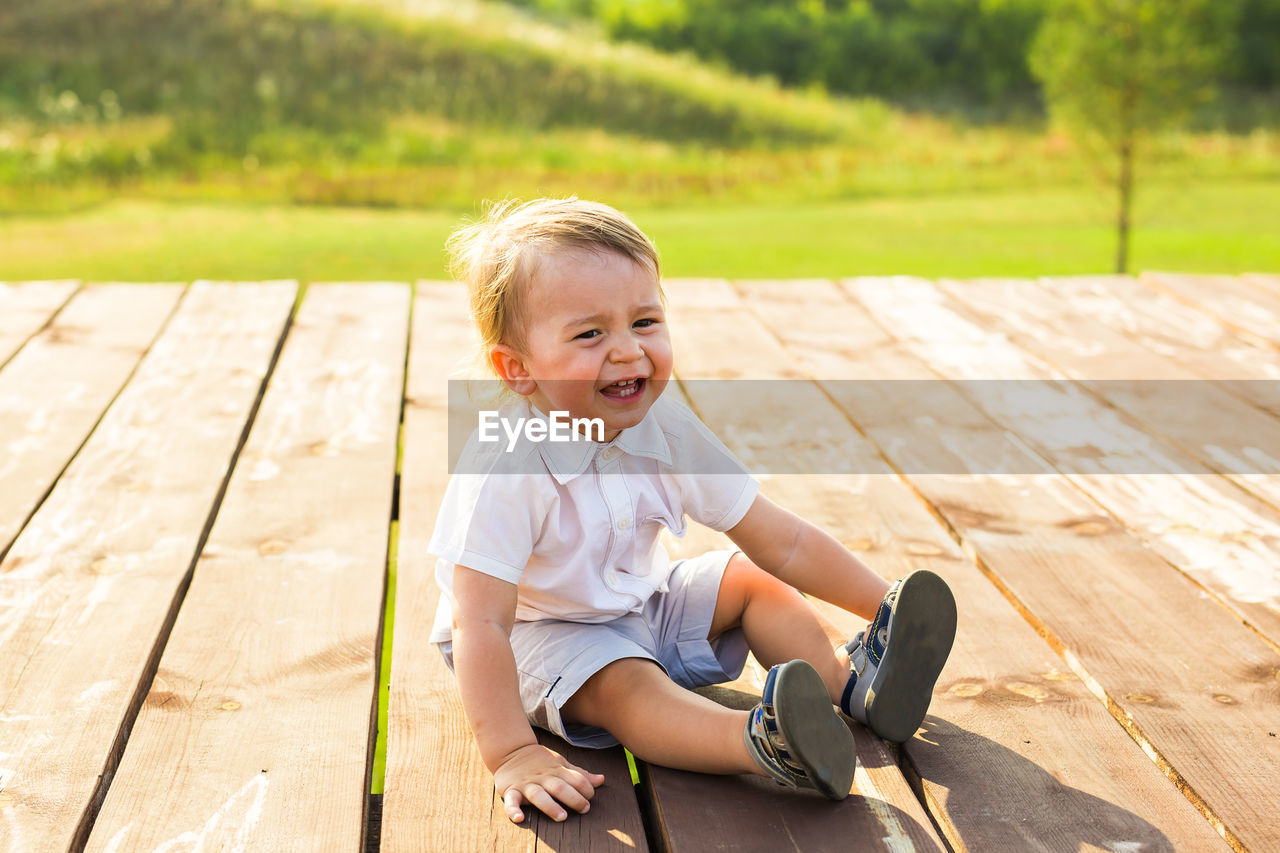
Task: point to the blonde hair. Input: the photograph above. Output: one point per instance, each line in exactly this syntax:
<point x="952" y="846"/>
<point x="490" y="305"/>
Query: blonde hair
<point x="498" y="256"/>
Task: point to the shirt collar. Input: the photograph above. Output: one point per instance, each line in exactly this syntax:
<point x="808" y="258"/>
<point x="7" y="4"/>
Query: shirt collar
<point x="646" y="438"/>
<point x="569" y="459"/>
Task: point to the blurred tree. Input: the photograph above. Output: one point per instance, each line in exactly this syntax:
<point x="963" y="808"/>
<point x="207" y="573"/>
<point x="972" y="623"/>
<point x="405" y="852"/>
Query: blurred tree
<point x="1116" y="70"/>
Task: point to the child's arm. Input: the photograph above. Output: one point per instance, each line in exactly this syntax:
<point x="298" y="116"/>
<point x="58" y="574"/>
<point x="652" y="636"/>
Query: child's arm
<point x="523" y="770"/>
<point x="807" y="557"/>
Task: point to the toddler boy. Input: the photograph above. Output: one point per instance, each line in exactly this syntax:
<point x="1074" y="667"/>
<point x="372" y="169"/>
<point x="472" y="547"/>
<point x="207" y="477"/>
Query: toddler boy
<point x="561" y="608"/>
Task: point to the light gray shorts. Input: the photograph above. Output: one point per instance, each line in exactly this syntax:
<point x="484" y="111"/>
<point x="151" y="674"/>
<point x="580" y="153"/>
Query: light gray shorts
<point x="556" y="658"/>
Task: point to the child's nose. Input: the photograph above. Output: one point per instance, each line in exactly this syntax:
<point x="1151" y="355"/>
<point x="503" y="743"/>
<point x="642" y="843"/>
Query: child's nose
<point x="627" y="349"/>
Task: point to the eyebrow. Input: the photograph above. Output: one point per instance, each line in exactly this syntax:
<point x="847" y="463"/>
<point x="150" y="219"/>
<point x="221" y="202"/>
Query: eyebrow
<point x="596" y="319"/>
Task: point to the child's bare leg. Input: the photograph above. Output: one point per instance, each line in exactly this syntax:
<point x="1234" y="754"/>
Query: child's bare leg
<point x="779" y="623"/>
<point x="660" y="721"/>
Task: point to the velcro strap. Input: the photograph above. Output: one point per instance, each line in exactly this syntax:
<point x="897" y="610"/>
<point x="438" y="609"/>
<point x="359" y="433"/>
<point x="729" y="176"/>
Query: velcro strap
<point x="858" y="659"/>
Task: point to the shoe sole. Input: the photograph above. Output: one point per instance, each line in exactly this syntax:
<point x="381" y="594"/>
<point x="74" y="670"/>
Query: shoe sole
<point x="924" y="627"/>
<point x="815" y="735"/>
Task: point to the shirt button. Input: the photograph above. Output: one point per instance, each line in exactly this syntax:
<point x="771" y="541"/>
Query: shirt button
<point x="611" y="577"/>
<point x="624" y="523"/>
<point x="609" y="453"/>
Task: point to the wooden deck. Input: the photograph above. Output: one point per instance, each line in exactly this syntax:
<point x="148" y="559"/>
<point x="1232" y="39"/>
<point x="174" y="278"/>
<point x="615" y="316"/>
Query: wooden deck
<point x="207" y="491"/>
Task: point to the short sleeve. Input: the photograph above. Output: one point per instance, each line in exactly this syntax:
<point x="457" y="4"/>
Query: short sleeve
<point x="714" y="487"/>
<point x="490" y="521"/>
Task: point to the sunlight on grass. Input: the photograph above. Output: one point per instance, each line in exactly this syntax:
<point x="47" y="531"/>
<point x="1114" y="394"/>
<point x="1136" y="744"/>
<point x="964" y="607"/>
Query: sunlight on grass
<point x="1212" y="227"/>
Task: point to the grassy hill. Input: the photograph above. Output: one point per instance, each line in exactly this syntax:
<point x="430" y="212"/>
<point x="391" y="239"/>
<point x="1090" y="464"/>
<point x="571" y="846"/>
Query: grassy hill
<point x="437" y="103"/>
<point x="233" y="69"/>
<point x="121" y="89"/>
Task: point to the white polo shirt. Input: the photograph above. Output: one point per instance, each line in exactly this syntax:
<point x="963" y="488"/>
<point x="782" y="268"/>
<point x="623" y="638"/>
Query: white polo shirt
<point x="575" y="524"/>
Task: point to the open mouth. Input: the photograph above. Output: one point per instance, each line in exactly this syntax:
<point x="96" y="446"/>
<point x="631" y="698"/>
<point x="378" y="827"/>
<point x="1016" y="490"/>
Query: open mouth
<point x="624" y="390"/>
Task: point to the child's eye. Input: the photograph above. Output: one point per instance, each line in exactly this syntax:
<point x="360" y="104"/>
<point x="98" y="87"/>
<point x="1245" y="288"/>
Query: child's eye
<point x="646" y="323"/>
<point x="587" y="335"/>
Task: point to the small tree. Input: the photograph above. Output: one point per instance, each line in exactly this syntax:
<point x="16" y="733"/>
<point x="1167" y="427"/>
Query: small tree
<point x="1116" y="70"/>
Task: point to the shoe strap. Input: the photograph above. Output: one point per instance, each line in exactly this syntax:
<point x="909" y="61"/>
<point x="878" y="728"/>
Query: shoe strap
<point x="877" y="633"/>
<point x="857" y="666"/>
<point x="767" y="747"/>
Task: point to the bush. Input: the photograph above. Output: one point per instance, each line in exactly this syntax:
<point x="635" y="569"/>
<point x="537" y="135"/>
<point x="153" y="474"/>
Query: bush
<point x="908" y="50"/>
<point x="935" y="53"/>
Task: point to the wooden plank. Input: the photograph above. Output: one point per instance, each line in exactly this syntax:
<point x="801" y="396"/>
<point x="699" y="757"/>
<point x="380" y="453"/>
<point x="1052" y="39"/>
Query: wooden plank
<point x="749" y="811"/>
<point x="714" y="342"/>
<point x="89" y="585"/>
<point x="1231" y="301"/>
<point x="58" y="385"/>
<point x="438" y="794"/>
<point x="694" y="812"/>
<point x="1194" y="521"/>
<point x="256" y="731"/>
<point x="1228" y="541"/>
<point x="1127" y="623"/>
<point x="1205" y="421"/>
<point x="1242" y="364"/>
<point x="25" y="309"/>
<point x="1269" y="282"/>
<point x="991" y="762"/>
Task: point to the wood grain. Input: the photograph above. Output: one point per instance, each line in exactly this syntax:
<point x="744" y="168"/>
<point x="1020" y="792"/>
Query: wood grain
<point x="1270" y="282"/>
<point x="1242" y="364"/>
<point x="730" y="373"/>
<point x="1238" y="304"/>
<point x="25" y="308"/>
<point x="439" y="796"/>
<point x="90" y="584"/>
<point x="256" y="731"/>
<point x="57" y="386"/>
<point x="1084" y="601"/>
<point x="1203" y="718"/>
<point x="695" y="812"/>
<point x="995" y="775"/>
<point x="1203" y="524"/>
<point x="1054" y="321"/>
<point x="1015" y="754"/>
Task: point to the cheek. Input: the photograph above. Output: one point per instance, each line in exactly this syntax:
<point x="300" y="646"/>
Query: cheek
<point x="661" y="356"/>
<point x="568" y="364"/>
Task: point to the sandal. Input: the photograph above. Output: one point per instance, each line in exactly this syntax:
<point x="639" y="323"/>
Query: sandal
<point x="896" y="661"/>
<point x="795" y="735"/>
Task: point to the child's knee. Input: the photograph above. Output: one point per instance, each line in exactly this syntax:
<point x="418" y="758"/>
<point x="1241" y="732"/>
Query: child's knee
<point x="743" y="582"/>
<point x="609" y="686"/>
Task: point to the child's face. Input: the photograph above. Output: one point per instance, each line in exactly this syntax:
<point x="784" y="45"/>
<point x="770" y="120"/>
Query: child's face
<point x="593" y="320"/>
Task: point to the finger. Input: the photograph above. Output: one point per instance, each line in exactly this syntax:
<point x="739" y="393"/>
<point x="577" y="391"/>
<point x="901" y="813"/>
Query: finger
<point x="580" y="776"/>
<point x="596" y="779"/>
<point x="538" y="796"/>
<point x="568" y="795"/>
<point x="579" y="779"/>
<point x="511" y="800"/>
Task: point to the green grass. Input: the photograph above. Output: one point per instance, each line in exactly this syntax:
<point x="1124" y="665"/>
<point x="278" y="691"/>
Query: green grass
<point x="1222" y="226"/>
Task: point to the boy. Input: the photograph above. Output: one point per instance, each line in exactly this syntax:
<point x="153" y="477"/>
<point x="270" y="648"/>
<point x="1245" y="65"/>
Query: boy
<point x="562" y="610"/>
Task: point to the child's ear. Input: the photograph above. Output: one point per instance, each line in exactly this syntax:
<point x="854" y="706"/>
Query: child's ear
<point x="509" y="365"/>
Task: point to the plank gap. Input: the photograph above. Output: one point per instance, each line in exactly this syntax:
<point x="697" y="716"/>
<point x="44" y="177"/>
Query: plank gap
<point x="947" y="833"/>
<point x="375" y="776"/>
<point x="79" y="286"/>
<point x="650" y="810"/>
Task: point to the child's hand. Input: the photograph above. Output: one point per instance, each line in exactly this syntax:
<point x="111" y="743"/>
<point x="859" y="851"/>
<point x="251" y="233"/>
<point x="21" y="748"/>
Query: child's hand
<point x="539" y="776"/>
